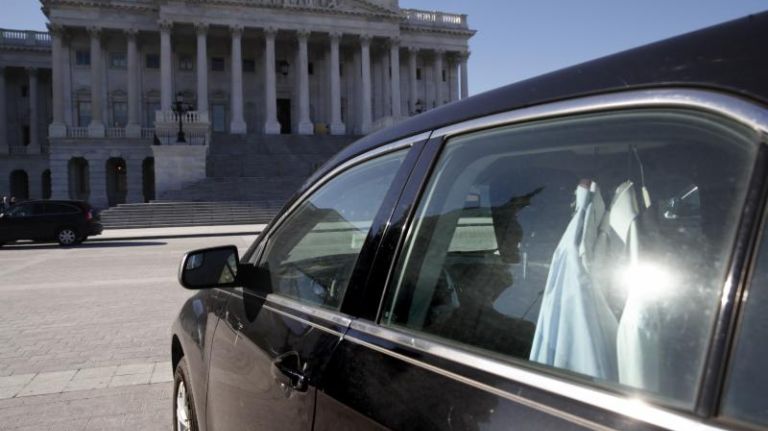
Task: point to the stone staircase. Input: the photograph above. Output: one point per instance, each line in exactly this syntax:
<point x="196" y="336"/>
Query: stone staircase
<point x="249" y="178"/>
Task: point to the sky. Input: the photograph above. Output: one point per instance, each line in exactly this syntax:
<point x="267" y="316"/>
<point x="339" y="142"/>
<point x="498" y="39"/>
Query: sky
<point x="518" y="39"/>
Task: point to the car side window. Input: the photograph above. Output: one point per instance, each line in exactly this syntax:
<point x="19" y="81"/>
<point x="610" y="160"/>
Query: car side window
<point x="21" y="210"/>
<point x="593" y="247"/>
<point x="60" y="209"/>
<point x="311" y="256"/>
<point x="747" y="381"/>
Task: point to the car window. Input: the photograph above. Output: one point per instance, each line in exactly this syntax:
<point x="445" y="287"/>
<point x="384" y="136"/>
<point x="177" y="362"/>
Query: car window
<point x="22" y="210"/>
<point x="594" y="247"/>
<point x="747" y="382"/>
<point x="311" y="256"/>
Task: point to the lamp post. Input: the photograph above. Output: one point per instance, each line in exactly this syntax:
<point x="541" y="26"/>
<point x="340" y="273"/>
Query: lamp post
<point x="180" y="108"/>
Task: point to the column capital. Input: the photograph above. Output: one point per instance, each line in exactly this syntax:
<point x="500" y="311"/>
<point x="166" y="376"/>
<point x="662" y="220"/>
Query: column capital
<point x="365" y="39"/>
<point x="201" y="28"/>
<point x="303" y="34"/>
<point x="236" y="30"/>
<point x="165" y="25"/>
<point x="463" y="56"/>
<point x="56" y="29"/>
<point x="414" y="49"/>
<point x="394" y="42"/>
<point x="440" y="51"/>
<point x="270" y="31"/>
<point x="94" y="31"/>
<point x="335" y="36"/>
<point x="31" y="70"/>
<point x="131" y="33"/>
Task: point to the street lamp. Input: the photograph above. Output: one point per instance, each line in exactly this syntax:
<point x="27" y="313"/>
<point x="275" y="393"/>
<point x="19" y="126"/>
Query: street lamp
<point x="181" y="108"/>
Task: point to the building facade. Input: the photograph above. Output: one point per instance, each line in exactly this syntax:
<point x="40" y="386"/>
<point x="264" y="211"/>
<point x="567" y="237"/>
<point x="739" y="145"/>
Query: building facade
<point x="82" y="105"/>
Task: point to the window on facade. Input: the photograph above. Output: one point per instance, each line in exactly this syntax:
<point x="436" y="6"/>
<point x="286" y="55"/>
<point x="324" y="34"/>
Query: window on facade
<point x="561" y="245"/>
<point x="118" y="60"/>
<point x="747" y="381"/>
<point x="219" y="117"/>
<point x="418" y="73"/>
<point x="152" y="61"/>
<point x="311" y="68"/>
<point x="249" y="65"/>
<point x="150" y="110"/>
<point x="82" y="57"/>
<point x="83" y="114"/>
<point x="186" y="63"/>
<point x="445" y="76"/>
<point x="311" y="256"/>
<point x="24" y="91"/>
<point x="26" y="137"/>
<point x="119" y="114"/>
<point x="217" y="64"/>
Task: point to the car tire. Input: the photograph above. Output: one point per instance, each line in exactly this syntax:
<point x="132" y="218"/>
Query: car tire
<point x="184" y="416"/>
<point x="66" y="236"/>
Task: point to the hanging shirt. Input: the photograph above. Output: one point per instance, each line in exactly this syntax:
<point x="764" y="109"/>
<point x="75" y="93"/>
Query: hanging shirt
<point x="576" y="329"/>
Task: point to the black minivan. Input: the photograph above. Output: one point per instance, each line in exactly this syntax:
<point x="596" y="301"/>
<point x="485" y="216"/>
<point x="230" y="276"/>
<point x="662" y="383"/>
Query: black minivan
<point x="66" y="222"/>
<point x="585" y="249"/>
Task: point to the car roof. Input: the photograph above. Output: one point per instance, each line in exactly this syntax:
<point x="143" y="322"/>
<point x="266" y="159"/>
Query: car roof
<point x="727" y="57"/>
<point x="81" y="204"/>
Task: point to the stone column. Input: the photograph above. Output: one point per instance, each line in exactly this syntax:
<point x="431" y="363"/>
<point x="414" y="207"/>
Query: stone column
<point x="414" y="82"/>
<point x="237" y="125"/>
<point x="305" y="123"/>
<point x="96" y="128"/>
<point x="464" y="77"/>
<point x="202" y="68"/>
<point x="366" y="114"/>
<point x="271" y="126"/>
<point x="57" y="128"/>
<point x="453" y="79"/>
<point x="4" y="146"/>
<point x="337" y="126"/>
<point x="439" y="53"/>
<point x="166" y="67"/>
<point x="34" y="138"/>
<point x="59" y="165"/>
<point x="133" y="128"/>
<point x="135" y="192"/>
<point x="394" y="58"/>
<point x="97" y="170"/>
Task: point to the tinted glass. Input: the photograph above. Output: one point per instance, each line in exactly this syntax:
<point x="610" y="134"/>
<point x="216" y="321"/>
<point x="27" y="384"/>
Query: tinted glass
<point x="594" y="246"/>
<point x="748" y="381"/>
<point x="60" y="209"/>
<point x="313" y="253"/>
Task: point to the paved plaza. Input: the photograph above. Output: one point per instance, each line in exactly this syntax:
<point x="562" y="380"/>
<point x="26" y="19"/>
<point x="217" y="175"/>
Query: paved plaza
<point x="85" y="332"/>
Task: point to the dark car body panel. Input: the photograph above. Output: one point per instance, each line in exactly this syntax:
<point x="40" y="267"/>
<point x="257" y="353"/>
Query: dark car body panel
<point x="368" y="381"/>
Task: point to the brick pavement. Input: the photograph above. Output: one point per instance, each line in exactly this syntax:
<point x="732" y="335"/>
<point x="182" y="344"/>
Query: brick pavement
<point x="85" y="333"/>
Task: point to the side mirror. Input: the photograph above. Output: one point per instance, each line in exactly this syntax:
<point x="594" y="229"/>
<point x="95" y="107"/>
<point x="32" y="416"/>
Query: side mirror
<point x="210" y="268"/>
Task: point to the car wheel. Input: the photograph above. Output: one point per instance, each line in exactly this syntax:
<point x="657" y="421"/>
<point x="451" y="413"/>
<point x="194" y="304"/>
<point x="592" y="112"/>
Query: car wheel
<point x="66" y="236"/>
<point x="184" y="418"/>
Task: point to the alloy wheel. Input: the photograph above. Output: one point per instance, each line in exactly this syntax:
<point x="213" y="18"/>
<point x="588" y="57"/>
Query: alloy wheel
<point x="182" y="408"/>
<point x="67" y="236"/>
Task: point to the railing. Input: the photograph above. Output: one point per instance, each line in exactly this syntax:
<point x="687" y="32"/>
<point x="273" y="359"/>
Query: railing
<point x="147" y="133"/>
<point x="188" y="117"/>
<point x="25" y="37"/>
<point x="77" y="132"/>
<point x="191" y="138"/>
<point x="115" y="132"/>
<point x="427" y="18"/>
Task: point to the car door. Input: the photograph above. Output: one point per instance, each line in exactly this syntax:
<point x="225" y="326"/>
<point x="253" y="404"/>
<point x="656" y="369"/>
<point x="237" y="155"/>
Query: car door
<point x="526" y="292"/>
<point x="21" y="221"/>
<point x="269" y="350"/>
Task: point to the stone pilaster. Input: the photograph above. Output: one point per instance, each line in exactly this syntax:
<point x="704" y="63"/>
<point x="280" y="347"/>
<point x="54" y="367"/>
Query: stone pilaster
<point x="394" y="59"/>
<point x="453" y="79"/>
<point x="413" y="55"/>
<point x="166" y="66"/>
<point x="57" y="128"/>
<point x="135" y="192"/>
<point x="305" y="122"/>
<point x="202" y="67"/>
<point x="96" y="128"/>
<point x="464" y="58"/>
<point x="337" y="126"/>
<point x="34" y="109"/>
<point x="59" y="166"/>
<point x="271" y="126"/>
<point x="97" y="169"/>
<point x="133" y="128"/>
<point x="366" y="108"/>
<point x="237" y="125"/>
<point x="4" y="146"/>
<point x="439" y="94"/>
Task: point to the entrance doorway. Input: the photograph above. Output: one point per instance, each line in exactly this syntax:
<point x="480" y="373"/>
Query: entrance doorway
<point x="284" y="115"/>
<point x="148" y="178"/>
<point x="20" y="185"/>
<point x="117" y="181"/>
<point x="79" y="179"/>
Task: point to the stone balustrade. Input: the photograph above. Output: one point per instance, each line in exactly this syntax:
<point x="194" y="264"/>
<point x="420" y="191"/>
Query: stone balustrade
<point x="25" y="38"/>
<point x="191" y="117"/>
<point x="435" y="19"/>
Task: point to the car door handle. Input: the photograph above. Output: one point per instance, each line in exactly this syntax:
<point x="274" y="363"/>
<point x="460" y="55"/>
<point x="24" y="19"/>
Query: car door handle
<point x="288" y="376"/>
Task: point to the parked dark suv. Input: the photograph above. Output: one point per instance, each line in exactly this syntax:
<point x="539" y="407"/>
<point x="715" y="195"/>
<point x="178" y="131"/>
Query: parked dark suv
<point x="68" y="222"/>
<point x="583" y="250"/>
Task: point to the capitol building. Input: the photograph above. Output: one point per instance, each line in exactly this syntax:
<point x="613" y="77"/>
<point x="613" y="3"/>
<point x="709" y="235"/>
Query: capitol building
<point x="92" y="108"/>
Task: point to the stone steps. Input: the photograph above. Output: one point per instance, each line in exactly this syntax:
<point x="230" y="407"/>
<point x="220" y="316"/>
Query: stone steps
<point x="167" y="214"/>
